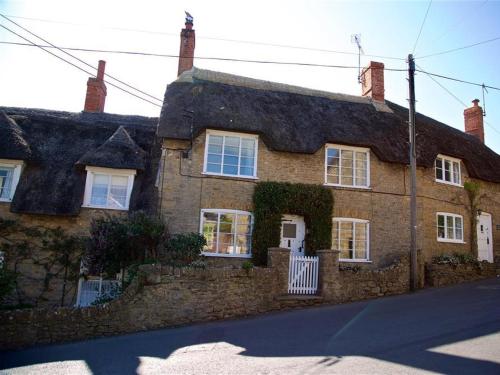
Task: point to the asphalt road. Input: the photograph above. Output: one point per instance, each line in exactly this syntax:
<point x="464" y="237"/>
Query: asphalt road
<point x="453" y="330"/>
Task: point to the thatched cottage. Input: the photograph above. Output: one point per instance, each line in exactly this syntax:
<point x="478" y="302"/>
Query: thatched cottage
<point x="220" y="135"/>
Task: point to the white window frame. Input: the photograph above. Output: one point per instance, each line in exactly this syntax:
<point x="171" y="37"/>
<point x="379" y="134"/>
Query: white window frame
<point x="231" y="134"/>
<point x="353" y="220"/>
<point x="348" y="148"/>
<point x="451" y="240"/>
<point x="225" y="211"/>
<point x="91" y="171"/>
<point x="18" y="166"/>
<point x="452" y="173"/>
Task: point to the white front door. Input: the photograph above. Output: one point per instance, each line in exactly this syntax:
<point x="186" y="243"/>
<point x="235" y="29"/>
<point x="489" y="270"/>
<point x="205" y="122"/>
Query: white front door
<point x="484" y="238"/>
<point x="293" y="231"/>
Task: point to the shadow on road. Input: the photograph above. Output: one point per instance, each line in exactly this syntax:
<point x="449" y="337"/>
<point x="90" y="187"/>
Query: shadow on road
<point x="401" y="329"/>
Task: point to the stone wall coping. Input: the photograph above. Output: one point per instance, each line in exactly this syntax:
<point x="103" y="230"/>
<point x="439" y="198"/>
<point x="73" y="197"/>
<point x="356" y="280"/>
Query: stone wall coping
<point x="279" y="249"/>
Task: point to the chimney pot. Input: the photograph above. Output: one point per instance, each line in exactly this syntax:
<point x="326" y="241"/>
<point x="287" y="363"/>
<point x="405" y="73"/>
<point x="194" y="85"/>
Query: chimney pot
<point x="372" y="81"/>
<point x="473" y="118"/>
<point x="96" y="91"/>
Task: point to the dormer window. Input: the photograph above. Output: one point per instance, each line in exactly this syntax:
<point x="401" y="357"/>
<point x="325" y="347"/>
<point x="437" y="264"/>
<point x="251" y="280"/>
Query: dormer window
<point x="448" y="170"/>
<point x="108" y="188"/>
<point x="10" y="171"/>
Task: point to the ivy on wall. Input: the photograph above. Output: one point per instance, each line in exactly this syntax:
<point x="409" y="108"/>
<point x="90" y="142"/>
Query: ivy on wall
<point x="271" y="200"/>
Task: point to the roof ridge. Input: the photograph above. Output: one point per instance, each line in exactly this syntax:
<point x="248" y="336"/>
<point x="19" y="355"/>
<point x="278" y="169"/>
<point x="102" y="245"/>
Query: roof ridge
<point x="189" y="76"/>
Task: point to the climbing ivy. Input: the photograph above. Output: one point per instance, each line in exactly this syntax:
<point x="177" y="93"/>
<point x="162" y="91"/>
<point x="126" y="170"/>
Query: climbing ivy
<point x="271" y="200"/>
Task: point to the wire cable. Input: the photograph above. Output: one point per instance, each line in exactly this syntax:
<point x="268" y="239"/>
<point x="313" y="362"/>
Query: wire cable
<point x="198" y="57"/>
<point x="214" y="38"/>
<point x="80" y="60"/>
<point x="78" y="67"/>
<point x="458" y="80"/>
<point x="422" y="26"/>
<point x="453" y="95"/>
<point x="459" y="48"/>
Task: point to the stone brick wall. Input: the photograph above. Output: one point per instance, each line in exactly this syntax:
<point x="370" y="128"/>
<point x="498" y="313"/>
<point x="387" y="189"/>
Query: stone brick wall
<point x="163" y="297"/>
<point x="386" y="205"/>
<point x="447" y="274"/>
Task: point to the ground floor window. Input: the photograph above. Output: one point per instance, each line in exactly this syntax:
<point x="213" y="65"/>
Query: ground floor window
<point x="351" y="238"/>
<point x="449" y="227"/>
<point x="228" y="232"/>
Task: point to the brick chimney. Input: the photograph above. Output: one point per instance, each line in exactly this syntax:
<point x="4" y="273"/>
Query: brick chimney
<point x="372" y="81"/>
<point x="96" y="91"/>
<point x="473" y="117"/>
<point x="186" y="52"/>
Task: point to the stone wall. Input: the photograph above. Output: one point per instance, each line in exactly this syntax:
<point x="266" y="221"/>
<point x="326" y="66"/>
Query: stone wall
<point x="447" y="274"/>
<point x="186" y="190"/>
<point x="162" y="297"/>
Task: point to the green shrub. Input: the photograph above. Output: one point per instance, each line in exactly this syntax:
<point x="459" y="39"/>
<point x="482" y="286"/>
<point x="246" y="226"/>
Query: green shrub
<point x="271" y="200"/>
<point x="7" y="282"/>
<point x="455" y="259"/>
<point x="184" y="249"/>
<point x="247" y="265"/>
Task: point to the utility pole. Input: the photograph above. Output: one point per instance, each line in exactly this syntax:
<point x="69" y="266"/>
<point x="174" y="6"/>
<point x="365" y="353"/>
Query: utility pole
<point x="413" y="177"/>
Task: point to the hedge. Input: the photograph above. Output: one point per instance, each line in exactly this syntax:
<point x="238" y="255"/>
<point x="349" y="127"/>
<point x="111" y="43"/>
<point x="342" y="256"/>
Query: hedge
<point x="271" y="200"/>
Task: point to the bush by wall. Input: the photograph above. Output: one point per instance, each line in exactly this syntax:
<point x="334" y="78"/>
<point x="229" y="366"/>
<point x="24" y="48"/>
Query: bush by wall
<point x="273" y="199"/>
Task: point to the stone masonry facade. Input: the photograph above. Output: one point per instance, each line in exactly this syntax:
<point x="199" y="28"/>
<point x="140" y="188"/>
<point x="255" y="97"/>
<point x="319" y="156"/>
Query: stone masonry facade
<point x="186" y="190"/>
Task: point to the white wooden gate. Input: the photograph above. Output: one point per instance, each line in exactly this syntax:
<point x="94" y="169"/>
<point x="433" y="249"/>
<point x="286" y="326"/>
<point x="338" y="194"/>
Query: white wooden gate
<point x="303" y="275"/>
<point x="90" y="290"/>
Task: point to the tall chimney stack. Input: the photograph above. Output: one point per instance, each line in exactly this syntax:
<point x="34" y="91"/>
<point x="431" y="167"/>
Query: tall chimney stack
<point x="372" y="81"/>
<point x="186" y="52"/>
<point x="96" y="91"/>
<point x="473" y="117"/>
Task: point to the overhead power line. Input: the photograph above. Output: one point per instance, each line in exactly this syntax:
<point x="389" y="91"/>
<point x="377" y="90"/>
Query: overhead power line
<point x="213" y="38"/>
<point x="453" y="95"/>
<point x="422" y="26"/>
<point x="80" y="60"/>
<point x="459" y="48"/>
<point x="138" y="53"/>
<point x="78" y="67"/>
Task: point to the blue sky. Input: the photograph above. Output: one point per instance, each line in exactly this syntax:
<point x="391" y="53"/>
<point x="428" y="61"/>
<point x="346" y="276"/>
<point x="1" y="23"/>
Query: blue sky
<point x="32" y="78"/>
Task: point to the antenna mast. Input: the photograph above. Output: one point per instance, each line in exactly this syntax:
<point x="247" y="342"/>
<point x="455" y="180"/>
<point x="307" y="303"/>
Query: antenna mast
<point x="356" y="39"/>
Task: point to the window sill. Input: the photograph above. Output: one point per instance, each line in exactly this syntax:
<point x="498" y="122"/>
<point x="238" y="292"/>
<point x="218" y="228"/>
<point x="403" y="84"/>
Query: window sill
<point x="226" y="255"/>
<point x="450" y="241"/>
<point x="230" y="176"/>
<point x="104" y="208"/>
<point x="5" y="200"/>
<point x="348" y="186"/>
<point x="449" y="183"/>
<point x="355" y="261"/>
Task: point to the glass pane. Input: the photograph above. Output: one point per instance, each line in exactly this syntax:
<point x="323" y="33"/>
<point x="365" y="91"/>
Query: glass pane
<point x="6" y="174"/>
<point x="246" y="171"/>
<point x="215" y="149"/>
<point x="210" y="232"/>
<point x="360" y="250"/>
<point x="361" y="157"/>
<point x="215" y="140"/>
<point x="226" y="223"/>
<point x="441" y="220"/>
<point x="248" y="147"/>
<point x="333" y="153"/>
<point x="332" y="179"/>
<point x="213" y="168"/>
<point x="449" y="227"/>
<point x="232" y="142"/>
<point x="118" y="197"/>
<point x="99" y="194"/>
<point x="335" y="235"/>
<point x="456" y="172"/>
<point x="214" y="158"/>
<point x="230" y="169"/>
<point x="361" y="229"/>
<point x="226" y="243"/>
<point x="230" y="160"/>
<point x="447" y="171"/>
<point x="246" y="162"/>
<point x="347" y="160"/>
<point x="243" y="244"/>
<point x="232" y="151"/>
<point x="332" y="170"/>
<point x="289" y="230"/>
<point x="458" y="228"/>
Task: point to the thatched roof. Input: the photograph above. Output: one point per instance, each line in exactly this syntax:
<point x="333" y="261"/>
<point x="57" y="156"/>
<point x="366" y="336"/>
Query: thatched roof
<point x="119" y="151"/>
<point x="12" y="143"/>
<point x="293" y="119"/>
<point x="52" y="183"/>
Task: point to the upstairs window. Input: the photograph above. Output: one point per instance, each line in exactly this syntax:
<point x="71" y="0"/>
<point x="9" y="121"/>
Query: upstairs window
<point x="449" y="227"/>
<point x="448" y="170"/>
<point x="231" y="154"/>
<point x="108" y="188"/>
<point x="347" y="166"/>
<point x="228" y="232"/>
<point x="10" y="171"/>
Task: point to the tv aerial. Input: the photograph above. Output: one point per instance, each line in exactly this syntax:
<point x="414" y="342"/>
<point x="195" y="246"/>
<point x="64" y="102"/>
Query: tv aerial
<point x="356" y="39"/>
